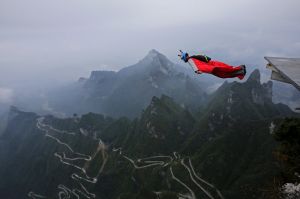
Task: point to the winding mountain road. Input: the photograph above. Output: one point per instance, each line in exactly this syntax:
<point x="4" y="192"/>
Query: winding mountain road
<point x="164" y="161"/>
<point x="64" y="191"/>
<point x="74" y="158"/>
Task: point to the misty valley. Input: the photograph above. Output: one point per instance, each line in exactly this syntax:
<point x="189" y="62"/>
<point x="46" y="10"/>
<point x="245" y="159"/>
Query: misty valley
<point x="153" y="130"/>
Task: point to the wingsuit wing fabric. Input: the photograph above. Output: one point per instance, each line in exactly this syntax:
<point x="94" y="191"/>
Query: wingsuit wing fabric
<point x="216" y="68"/>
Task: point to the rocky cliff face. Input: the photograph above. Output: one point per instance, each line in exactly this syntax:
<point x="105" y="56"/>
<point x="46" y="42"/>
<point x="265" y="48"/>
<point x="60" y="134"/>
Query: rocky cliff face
<point x="260" y="93"/>
<point x="236" y="104"/>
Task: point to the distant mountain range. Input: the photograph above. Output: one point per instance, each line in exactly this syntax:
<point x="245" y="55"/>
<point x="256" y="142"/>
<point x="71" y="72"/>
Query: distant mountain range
<point x="129" y="91"/>
<point x="221" y="150"/>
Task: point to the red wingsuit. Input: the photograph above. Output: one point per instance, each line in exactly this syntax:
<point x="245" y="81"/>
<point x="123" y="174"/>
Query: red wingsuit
<point x="216" y="68"/>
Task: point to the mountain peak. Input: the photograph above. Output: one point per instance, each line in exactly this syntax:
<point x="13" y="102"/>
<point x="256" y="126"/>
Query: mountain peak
<point x="254" y="76"/>
<point x="154" y="61"/>
<point x="152" y="54"/>
<point x="153" y="51"/>
<point x="162" y="105"/>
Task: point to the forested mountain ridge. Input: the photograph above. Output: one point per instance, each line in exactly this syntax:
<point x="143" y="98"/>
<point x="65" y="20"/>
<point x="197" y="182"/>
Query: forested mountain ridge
<point x="223" y="151"/>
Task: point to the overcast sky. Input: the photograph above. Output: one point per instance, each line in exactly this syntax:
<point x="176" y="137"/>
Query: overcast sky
<point x="61" y="40"/>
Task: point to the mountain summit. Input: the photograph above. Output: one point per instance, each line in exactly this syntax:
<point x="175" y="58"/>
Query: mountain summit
<point x="152" y="62"/>
<point x="254" y="76"/>
<point x="154" y="53"/>
<point x="155" y="56"/>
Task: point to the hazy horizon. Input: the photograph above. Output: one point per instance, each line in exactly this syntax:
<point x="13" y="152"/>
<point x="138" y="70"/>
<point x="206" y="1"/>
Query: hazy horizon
<point x="53" y="42"/>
